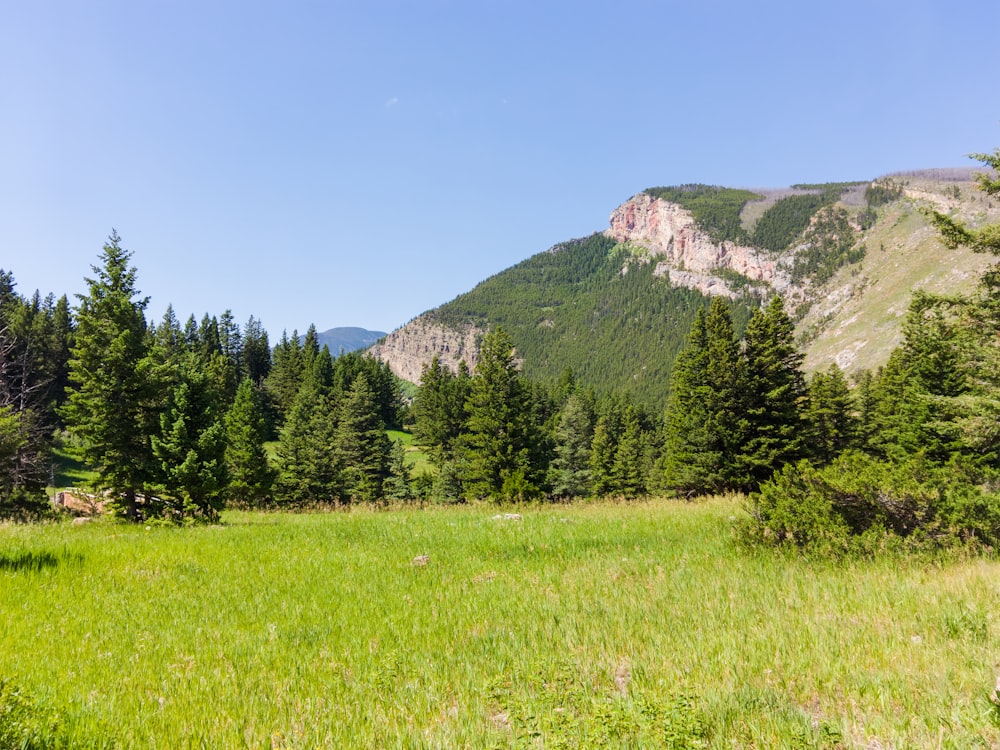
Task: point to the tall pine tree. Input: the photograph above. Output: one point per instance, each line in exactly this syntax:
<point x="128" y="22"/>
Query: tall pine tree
<point x="113" y="402"/>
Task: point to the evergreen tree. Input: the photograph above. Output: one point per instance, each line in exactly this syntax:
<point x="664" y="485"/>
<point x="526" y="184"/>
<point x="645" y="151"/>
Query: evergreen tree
<point x="439" y="409"/>
<point x="250" y="476"/>
<point x="830" y="415"/>
<point x="498" y="444"/>
<point x="705" y="423"/>
<point x="570" y="470"/>
<point x="307" y="470"/>
<point x="256" y="358"/>
<point x="603" y="448"/>
<point x="191" y="447"/>
<point x="361" y="445"/>
<point x="398" y="483"/>
<point x="113" y="402"/>
<point x="286" y="375"/>
<point x="629" y="469"/>
<point x="773" y="398"/>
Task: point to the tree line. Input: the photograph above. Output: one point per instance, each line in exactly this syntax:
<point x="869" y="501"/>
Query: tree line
<point x="176" y="420"/>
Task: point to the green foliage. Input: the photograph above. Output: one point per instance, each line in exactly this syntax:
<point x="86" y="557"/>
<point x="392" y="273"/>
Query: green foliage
<point x="705" y="421"/>
<point x="190" y="447"/>
<point x="570" y="471"/>
<point x="498" y="446"/>
<point x="439" y="409"/>
<point x="859" y="502"/>
<point x="833" y="425"/>
<point x="773" y="397"/>
<point x="250" y="476"/>
<point x="716" y="210"/>
<point x="360" y="446"/>
<point x="113" y="403"/>
<point x="783" y="222"/>
<point x="883" y="191"/>
<point x="573" y="307"/>
<point x="306" y="472"/>
<point x="985" y="239"/>
<point x="828" y="244"/>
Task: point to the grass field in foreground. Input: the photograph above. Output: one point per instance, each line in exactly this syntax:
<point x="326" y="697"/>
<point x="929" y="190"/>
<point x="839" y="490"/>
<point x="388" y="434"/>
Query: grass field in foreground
<point x="602" y="625"/>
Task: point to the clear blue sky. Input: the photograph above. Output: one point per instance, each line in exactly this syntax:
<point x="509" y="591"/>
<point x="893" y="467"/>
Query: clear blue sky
<point x="356" y="163"/>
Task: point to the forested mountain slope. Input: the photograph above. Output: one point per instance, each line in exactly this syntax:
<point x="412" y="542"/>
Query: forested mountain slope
<point x="615" y="307"/>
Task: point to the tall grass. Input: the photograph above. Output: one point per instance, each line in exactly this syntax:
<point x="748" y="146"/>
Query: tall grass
<point x="583" y="626"/>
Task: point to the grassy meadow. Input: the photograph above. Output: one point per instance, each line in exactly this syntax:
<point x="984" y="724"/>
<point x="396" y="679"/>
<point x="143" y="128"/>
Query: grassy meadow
<point x="592" y="625"/>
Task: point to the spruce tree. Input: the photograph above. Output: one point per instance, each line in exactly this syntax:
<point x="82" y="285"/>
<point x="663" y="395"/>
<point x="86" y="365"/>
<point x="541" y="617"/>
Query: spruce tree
<point x="307" y="469"/>
<point x="570" y="470"/>
<point x="250" y="476"/>
<point x="629" y="468"/>
<point x="191" y="446"/>
<point x="603" y="448"/>
<point x="773" y="398"/>
<point x="256" y="359"/>
<point x="398" y="483"/>
<point x="833" y="426"/>
<point x="114" y="401"/>
<point x="439" y="409"/>
<point x="360" y="444"/>
<point x="497" y="446"/>
<point x="705" y="422"/>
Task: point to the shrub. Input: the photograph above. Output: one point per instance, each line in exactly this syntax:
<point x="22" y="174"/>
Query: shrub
<point x="859" y="503"/>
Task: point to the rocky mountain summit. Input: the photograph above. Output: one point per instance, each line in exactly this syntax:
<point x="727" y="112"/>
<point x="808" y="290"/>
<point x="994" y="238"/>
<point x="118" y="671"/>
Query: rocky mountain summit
<point x="846" y="270"/>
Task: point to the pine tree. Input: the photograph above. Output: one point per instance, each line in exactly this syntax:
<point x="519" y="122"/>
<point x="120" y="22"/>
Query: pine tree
<point x="191" y="446"/>
<point x="361" y="445"/>
<point x="113" y="401"/>
<point x="570" y="470"/>
<point x="833" y="427"/>
<point x="250" y="476"/>
<point x="629" y="469"/>
<point x="307" y="469"/>
<point x="439" y="409"/>
<point x="773" y="398"/>
<point x="702" y="427"/>
<point x="499" y="440"/>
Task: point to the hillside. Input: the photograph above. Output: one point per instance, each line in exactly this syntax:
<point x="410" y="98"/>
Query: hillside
<point x="615" y="307"/>
<point x="348" y="339"/>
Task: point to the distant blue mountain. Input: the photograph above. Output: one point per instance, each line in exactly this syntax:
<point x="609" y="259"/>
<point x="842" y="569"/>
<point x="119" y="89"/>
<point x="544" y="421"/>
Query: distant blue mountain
<point x="348" y="339"/>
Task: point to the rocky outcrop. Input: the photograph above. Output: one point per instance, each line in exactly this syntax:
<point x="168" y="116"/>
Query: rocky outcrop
<point x="408" y="349"/>
<point x="689" y="256"/>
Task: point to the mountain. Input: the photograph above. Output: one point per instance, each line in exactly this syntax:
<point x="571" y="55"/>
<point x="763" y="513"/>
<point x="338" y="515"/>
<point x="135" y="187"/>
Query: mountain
<point x="615" y="307"/>
<point x="348" y="339"/>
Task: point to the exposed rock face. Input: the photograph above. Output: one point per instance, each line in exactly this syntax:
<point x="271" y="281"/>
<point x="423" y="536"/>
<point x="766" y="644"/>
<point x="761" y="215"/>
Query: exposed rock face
<point x="690" y="256"/>
<point x="408" y="349"/>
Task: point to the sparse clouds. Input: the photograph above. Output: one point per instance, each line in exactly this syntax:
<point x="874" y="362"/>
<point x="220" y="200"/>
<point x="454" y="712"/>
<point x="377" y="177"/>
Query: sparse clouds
<point x="391" y="102"/>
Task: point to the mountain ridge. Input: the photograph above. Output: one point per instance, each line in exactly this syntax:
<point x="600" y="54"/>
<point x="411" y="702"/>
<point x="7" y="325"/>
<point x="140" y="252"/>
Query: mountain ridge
<point x="856" y="252"/>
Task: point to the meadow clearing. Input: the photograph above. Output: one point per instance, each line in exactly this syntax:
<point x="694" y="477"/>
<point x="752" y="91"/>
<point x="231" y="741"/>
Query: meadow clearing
<point x="592" y="625"/>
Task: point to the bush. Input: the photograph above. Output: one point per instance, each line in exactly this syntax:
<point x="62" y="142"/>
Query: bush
<point x="859" y="503"/>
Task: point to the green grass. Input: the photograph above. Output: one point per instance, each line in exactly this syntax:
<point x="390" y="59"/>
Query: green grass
<point x="600" y="625"/>
<point x="416" y="457"/>
<point x="68" y="471"/>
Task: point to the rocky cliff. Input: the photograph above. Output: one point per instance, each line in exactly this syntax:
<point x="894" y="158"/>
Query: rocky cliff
<point x="687" y="255"/>
<point x="408" y="349"/>
<point x="852" y="319"/>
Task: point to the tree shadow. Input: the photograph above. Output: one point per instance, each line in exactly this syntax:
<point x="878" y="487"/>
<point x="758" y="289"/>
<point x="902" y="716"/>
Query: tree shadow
<point x="31" y="561"/>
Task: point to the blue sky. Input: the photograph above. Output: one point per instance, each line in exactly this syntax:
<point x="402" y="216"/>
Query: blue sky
<point x="358" y="163"/>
